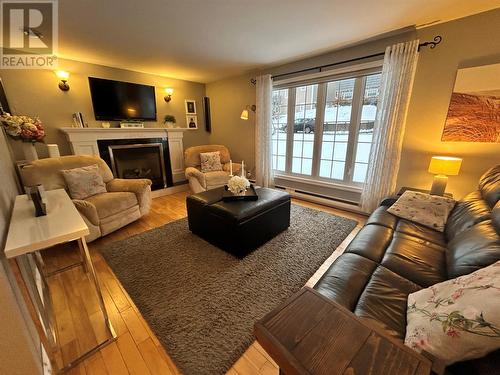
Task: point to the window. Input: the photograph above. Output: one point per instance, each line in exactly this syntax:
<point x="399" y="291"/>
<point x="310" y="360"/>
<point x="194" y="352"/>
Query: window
<point x="324" y="130"/>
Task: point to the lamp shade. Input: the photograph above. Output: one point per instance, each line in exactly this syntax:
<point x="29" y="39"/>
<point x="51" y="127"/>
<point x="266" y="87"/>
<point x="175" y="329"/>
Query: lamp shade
<point x="244" y="114"/>
<point x="446" y="165"/>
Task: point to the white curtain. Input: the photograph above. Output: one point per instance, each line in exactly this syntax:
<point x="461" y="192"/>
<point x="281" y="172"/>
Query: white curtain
<point x="263" y="131"/>
<point x="398" y="71"/>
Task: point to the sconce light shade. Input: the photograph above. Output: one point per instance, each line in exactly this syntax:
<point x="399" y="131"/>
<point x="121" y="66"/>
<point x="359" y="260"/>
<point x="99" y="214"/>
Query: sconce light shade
<point x="168" y="91"/>
<point x="63" y="76"/>
<point x="244" y="113"/>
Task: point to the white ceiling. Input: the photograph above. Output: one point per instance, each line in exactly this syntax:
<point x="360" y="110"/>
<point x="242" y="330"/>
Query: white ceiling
<point x="205" y="40"/>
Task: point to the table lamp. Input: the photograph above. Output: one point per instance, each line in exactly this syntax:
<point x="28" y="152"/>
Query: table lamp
<point x="442" y="167"/>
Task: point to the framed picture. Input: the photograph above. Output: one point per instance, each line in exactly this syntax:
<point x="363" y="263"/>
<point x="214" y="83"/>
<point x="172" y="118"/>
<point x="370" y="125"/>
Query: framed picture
<point x="474" y="111"/>
<point x="192" y="122"/>
<point x="190" y="107"/>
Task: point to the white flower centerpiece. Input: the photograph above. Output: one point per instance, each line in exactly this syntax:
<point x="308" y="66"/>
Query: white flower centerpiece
<point x="29" y="130"/>
<point x="238" y="185"/>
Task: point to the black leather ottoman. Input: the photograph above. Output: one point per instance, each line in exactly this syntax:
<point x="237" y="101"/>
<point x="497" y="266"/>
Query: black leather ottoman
<point x="241" y="226"/>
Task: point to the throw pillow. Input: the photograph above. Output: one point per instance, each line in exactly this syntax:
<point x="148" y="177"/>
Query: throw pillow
<point x="210" y="161"/>
<point x="458" y="319"/>
<point x="84" y="182"/>
<point x="429" y="210"/>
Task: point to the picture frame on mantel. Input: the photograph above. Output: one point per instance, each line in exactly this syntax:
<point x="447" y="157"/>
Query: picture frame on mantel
<point x="190" y="106"/>
<point x="192" y="122"/>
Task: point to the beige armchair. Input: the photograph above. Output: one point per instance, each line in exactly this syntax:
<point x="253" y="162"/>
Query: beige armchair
<point x="124" y="202"/>
<point x="199" y="181"/>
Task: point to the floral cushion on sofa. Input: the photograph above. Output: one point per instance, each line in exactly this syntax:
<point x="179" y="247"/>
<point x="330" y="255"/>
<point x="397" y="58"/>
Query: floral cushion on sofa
<point x="84" y="182"/>
<point x="210" y="161"/>
<point x="458" y="319"/>
<point x="429" y="210"/>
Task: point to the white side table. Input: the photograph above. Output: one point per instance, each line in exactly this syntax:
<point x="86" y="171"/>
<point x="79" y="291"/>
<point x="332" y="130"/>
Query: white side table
<point x="26" y="237"/>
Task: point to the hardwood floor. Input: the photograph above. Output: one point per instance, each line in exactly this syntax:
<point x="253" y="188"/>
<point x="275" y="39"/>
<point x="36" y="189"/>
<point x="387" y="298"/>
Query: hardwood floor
<point x="136" y="350"/>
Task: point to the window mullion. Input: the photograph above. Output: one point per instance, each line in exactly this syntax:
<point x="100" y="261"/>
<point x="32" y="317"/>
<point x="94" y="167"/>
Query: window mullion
<point x="318" y="128"/>
<point x="289" y="129"/>
<point x="357" y="100"/>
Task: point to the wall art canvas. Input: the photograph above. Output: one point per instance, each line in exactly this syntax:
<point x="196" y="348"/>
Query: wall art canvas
<point x="474" y="111"/>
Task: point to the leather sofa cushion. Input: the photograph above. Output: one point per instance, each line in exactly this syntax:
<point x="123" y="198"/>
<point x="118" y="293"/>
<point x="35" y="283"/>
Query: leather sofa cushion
<point x="384" y="300"/>
<point x="419" y="231"/>
<point x="371" y="242"/>
<point x="473" y="249"/>
<point x="472" y="209"/>
<point x="338" y="282"/>
<point x="489" y="186"/>
<point x="240" y="211"/>
<point x="417" y="260"/>
<point x="112" y="203"/>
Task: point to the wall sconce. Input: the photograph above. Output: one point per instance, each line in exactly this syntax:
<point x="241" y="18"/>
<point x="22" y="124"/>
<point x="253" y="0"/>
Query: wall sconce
<point x="168" y="91"/>
<point x="244" y="113"/>
<point x="63" y="76"/>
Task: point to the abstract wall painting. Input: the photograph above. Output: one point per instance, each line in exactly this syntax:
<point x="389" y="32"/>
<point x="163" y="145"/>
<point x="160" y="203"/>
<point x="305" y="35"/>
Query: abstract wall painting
<point x="474" y="111"/>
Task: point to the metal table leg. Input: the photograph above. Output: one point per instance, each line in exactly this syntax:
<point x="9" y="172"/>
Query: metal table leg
<point x="91" y="274"/>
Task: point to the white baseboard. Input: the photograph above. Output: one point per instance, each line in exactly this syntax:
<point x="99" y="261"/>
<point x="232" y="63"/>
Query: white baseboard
<point x="170" y="190"/>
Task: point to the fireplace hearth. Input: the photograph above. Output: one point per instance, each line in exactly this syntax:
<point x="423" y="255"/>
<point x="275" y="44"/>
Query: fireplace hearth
<point x="138" y="158"/>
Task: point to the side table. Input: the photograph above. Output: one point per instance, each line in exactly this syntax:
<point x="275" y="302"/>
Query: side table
<point x="27" y="236"/>
<point x="311" y="334"/>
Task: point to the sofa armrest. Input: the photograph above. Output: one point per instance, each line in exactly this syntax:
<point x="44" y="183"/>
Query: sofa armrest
<point x="236" y="168"/>
<point x="389" y="201"/>
<point x="141" y="187"/>
<point x="87" y="209"/>
<point x="192" y="172"/>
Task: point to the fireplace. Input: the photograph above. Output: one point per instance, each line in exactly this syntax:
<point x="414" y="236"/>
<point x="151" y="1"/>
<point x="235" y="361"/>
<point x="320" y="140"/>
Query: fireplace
<point x="138" y="158"/>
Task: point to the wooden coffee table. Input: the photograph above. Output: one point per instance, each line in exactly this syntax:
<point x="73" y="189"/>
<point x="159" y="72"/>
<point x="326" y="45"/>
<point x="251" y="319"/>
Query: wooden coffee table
<point x="311" y="334"/>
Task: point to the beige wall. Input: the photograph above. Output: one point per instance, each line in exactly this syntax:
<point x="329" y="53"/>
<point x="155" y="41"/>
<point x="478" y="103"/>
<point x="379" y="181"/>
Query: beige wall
<point x="227" y="99"/>
<point x="35" y="93"/>
<point x="18" y="343"/>
<point x="466" y="42"/>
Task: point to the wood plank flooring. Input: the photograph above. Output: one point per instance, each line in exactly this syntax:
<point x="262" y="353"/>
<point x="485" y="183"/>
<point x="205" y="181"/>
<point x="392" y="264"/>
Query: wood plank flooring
<point x="136" y="350"/>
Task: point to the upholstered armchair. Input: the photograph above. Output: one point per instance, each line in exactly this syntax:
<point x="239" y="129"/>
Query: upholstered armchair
<point x="199" y="181"/>
<point x="125" y="201"/>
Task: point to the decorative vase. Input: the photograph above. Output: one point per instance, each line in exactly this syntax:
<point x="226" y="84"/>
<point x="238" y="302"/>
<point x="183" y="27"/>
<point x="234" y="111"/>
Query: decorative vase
<point x="29" y="151"/>
<point x="170" y="124"/>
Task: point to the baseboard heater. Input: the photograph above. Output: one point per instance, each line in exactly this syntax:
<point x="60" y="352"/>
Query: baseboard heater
<point x="322" y="199"/>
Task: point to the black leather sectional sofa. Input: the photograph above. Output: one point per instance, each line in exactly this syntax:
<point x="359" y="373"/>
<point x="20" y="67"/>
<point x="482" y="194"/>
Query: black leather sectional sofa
<point x="391" y="258"/>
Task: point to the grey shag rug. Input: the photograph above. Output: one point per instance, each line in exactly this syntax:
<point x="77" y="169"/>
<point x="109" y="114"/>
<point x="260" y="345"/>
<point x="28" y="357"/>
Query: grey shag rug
<point x="201" y="302"/>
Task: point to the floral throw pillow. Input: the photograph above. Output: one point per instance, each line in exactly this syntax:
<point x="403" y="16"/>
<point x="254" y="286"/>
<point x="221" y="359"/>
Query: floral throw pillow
<point x="210" y="161"/>
<point x="458" y="319"/>
<point x="84" y="182"/>
<point x="429" y="210"/>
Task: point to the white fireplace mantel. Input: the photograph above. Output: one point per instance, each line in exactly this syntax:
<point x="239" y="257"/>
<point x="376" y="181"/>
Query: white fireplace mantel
<point x="83" y="141"/>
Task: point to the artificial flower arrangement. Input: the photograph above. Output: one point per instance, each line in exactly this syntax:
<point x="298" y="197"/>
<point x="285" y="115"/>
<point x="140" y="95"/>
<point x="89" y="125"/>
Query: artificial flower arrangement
<point x="23" y="127"/>
<point x="238" y="185"/>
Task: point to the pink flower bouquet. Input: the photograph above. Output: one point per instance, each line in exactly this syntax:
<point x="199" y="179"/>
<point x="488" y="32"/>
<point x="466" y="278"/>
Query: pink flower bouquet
<point x="23" y="127"/>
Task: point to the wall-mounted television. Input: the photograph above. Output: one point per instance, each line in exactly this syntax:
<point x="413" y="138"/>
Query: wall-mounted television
<point x="115" y="100"/>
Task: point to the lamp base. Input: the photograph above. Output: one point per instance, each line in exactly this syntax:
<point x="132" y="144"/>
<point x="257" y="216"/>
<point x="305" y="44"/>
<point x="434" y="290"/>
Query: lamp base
<point x="439" y="184"/>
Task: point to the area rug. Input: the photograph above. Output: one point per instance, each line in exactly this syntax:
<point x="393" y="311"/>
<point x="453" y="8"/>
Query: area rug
<point x="201" y="302"/>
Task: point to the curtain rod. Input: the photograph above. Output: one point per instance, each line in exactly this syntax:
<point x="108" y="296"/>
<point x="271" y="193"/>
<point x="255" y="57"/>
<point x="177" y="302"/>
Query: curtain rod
<point x="437" y="39"/>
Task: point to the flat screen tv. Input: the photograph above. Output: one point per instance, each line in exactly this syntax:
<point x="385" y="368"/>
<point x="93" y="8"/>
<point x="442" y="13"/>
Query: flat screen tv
<point x="115" y="100"/>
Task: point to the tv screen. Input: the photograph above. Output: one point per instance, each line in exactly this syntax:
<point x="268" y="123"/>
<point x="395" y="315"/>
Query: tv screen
<point x="115" y="100"/>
